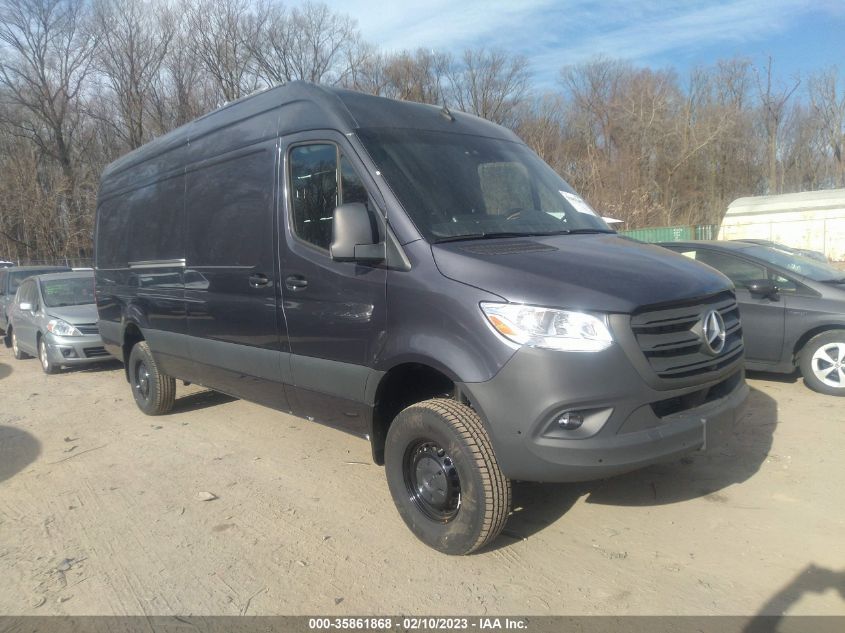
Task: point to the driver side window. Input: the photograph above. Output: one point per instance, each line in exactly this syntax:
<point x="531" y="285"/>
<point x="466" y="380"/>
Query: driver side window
<point x="739" y="271"/>
<point x="315" y="193"/>
<point x="25" y="294"/>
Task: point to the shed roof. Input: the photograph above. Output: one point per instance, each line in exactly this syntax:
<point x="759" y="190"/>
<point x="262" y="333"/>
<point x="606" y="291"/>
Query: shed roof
<point x="789" y="202"/>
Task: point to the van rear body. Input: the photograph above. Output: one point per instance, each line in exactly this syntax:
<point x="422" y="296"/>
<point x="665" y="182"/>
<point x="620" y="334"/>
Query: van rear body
<point x="417" y="277"/>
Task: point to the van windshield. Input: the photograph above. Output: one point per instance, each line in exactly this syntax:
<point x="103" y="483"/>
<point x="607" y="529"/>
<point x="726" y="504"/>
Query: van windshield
<point x="457" y="186"/>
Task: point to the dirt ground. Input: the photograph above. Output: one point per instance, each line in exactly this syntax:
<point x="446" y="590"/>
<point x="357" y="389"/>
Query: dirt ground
<point x="99" y="514"/>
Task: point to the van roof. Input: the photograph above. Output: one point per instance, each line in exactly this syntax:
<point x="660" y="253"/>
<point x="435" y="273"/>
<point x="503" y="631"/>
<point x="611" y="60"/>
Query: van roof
<point x="299" y="106"/>
<point x="789" y="202"/>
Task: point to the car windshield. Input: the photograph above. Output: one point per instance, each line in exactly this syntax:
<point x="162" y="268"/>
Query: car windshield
<point x="457" y="186"/>
<point x="16" y="278"/>
<point x="810" y="268"/>
<point x="73" y="291"/>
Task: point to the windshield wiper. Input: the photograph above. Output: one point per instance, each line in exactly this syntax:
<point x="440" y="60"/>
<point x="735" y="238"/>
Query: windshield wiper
<point x="584" y="231"/>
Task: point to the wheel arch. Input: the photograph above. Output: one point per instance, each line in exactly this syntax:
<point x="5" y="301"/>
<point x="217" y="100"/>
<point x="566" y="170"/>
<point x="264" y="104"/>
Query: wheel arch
<point x="403" y="384"/>
<point x="131" y="336"/>
<point x="807" y="336"/>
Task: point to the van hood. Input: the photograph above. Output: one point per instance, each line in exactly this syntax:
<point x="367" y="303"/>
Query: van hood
<point x="593" y="272"/>
<point x="75" y="315"/>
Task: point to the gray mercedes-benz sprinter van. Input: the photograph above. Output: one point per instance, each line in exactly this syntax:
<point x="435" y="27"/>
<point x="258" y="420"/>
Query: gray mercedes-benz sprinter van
<point x="418" y="277"/>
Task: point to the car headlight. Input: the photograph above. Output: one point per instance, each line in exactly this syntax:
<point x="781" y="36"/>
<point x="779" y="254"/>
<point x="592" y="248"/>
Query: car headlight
<point x="562" y="330"/>
<point x="62" y="328"/>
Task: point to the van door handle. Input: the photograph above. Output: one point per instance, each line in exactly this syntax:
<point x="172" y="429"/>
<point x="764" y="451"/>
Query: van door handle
<point x="258" y="280"/>
<point x="296" y="282"/>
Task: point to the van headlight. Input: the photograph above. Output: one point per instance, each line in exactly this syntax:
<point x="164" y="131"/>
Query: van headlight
<point x="562" y="330"/>
<point x="62" y="328"/>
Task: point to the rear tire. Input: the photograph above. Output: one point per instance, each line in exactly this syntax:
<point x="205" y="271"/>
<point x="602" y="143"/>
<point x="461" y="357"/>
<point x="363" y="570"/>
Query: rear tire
<point x="822" y="363"/>
<point x="444" y="478"/>
<point x="46" y="364"/>
<point x="16" y="350"/>
<point x="154" y="391"/>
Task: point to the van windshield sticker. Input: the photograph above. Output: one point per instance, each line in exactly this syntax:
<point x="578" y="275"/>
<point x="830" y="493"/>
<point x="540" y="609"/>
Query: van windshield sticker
<point x="578" y="203"/>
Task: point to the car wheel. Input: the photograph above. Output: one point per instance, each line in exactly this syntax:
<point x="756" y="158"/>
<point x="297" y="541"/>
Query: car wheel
<point x="444" y="478"/>
<point x="46" y="364"/>
<point x="16" y="350"/>
<point x="154" y="391"/>
<point x="822" y="363"/>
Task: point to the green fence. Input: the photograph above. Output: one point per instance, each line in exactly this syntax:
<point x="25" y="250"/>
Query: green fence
<point x="674" y="233"/>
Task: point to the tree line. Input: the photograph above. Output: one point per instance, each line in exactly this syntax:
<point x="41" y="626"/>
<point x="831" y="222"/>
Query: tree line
<point x="84" y="81"/>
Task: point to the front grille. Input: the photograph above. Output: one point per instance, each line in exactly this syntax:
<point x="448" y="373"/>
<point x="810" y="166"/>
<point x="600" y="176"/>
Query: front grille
<point x="670" y="336"/>
<point x="678" y="404"/>
<point x="88" y="329"/>
<point x="95" y="352"/>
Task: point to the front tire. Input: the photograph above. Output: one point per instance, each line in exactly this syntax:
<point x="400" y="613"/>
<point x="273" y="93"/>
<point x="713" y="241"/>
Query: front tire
<point x="822" y="363"/>
<point x="47" y="365"/>
<point x="154" y="391"/>
<point x="16" y="350"/>
<point x="444" y="478"/>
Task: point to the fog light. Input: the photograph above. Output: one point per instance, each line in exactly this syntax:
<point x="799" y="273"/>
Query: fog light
<point x="68" y="352"/>
<point x="570" y="420"/>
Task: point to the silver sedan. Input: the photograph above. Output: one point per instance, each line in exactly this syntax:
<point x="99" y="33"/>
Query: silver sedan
<point x="54" y="318"/>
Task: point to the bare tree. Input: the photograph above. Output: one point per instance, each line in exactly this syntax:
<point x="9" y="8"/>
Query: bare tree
<point x="134" y="41"/>
<point x="311" y="43"/>
<point x="490" y="83"/>
<point x="47" y="50"/>
<point x="773" y="102"/>
<point x="827" y="99"/>
<point x="220" y="31"/>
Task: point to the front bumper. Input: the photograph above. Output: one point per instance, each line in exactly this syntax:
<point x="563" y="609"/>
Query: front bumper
<point x="627" y="424"/>
<point x="75" y="350"/>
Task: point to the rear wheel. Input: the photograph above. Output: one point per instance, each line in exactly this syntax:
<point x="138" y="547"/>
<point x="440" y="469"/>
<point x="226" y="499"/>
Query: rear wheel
<point x="47" y="365"/>
<point x="16" y="350"/>
<point x="822" y="363"/>
<point x="154" y="391"/>
<point x="444" y="478"/>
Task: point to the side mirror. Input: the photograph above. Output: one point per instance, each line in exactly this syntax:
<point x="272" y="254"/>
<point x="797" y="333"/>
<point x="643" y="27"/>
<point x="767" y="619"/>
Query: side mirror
<point x="763" y="288"/>
<point x="355" y="235"/>
<point x="25" y="306"/>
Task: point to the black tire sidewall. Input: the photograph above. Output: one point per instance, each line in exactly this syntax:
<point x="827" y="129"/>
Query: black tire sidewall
<point x="806" y="362"/>
<point x="139" y="355"/>
<point x="460" y="534"/>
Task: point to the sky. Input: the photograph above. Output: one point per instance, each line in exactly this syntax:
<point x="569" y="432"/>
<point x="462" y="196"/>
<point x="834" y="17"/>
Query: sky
<point x="801" y="36"/>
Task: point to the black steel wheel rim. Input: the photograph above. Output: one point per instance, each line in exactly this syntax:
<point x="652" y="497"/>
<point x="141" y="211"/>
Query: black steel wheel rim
<point x="432" y="481"/>
<point x="142" y="380"/>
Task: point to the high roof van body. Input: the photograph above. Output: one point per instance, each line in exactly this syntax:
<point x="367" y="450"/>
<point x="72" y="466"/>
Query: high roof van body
<point x="417" y="277"/>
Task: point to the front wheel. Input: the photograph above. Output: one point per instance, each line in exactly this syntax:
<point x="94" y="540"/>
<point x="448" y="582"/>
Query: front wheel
<point x="47" y="365"/>
<point x="16" y="350"/>
<point x="822" y="363"/>
<point x="444" y="478"/>
<point x="154" y="391"/>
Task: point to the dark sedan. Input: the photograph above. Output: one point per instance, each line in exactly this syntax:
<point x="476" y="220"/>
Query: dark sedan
<point x="792" y="309"/>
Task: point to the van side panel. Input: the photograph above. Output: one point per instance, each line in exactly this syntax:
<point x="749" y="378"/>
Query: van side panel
<point x="237" y="337"/>
<point x="140" y="269"/>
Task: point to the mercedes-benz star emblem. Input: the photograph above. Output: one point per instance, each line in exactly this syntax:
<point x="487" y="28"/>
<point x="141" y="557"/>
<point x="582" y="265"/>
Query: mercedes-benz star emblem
<point x="713" y="332"/>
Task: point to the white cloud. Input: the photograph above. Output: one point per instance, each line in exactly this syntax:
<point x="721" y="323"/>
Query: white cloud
<point x="552" y="33"/>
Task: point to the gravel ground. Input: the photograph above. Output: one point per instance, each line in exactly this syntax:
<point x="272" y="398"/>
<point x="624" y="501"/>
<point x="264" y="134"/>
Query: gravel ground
<point x="102" y="512"/>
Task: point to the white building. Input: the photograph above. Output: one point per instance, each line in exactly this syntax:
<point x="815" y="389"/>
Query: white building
<point x="814" y="220"/>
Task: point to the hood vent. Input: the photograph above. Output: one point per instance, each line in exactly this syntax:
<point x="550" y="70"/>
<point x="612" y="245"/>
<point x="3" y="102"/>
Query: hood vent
<point x="507" y="248"/>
